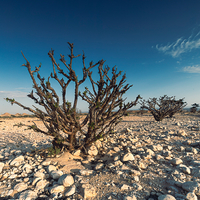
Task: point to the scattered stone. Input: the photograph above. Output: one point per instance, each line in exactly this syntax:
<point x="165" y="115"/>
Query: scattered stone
<point x="39" y="174"/>
<point x="41" y="184"/>
<point x="99" y="166"/>
<point x="125" y="187"/>
<point x="76" y="153"/>
<point x="184" y="168"/>
<point x="71" y="191"/>
<point x="181" y="133"/>
<point x="66" y="180"/>
<point x="128" y="157"/>
<point x="190" y="186"/>
<point x="130" y="197"/>
<point x="166" y="197"/>
<point x="20" y="187"/>
<point x="1" y="166"/>
<point x="93" y="151"/>
<point x="86" y="172"/>
<point x="177" y="124"/>
<point x="191" y="196"/>
<point x="46" y="163"/>
<point x="55" y="174"/>
<point x="17" y="161"/>
<point x="51" y="168"/>
<point x="57" y="189"/>
<point x="28" y="195"/>
<point x="89" y="191"/>
<point x="176" y="161"/>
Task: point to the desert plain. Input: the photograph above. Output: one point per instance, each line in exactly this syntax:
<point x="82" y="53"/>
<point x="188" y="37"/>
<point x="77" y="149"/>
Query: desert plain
<point x="143" y="159"/>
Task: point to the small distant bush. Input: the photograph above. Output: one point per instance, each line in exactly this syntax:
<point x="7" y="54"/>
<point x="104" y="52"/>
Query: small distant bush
<point x="19" y="124"/>
<point x="163" y="107"/>
<point x="105" y="100"/>
<point x="194" y="107"/>
<point x="141" y="111"/>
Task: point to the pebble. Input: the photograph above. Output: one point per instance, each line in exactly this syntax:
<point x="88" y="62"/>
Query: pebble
<point x="191" y="196"/>
<point x="166" y="197"/>
<point x="128" y="157"/>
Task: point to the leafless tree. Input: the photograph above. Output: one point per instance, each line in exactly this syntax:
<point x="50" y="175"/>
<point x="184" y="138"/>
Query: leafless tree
<point x="106" y="105"/>
<point x="163" y="107"/>
<point x="194" y="107"/>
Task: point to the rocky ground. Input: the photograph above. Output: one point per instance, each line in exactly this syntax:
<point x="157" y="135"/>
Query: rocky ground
<point x="143" y="159"/>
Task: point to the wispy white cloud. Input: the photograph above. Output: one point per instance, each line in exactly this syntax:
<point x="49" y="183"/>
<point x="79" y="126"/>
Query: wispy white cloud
<point x="160" y="61"/>
<point x="12" y="94"/>
<point x="192" y="69"/>
<point x="180" y="46"/>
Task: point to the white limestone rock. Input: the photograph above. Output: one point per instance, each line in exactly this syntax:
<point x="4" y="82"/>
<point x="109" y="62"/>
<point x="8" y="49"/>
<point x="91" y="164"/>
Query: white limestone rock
<point x="55" y="174"/>
<point x="12" y="176"/>
<point x="99" y="166"/>
<point x="71" y="191"/>
<point x="184" y="168"/>
<point x="136" y="178"/>
<point x="93" y="151"/>
<point x="137" y="186"/>
<point x="191" y="196"/>
<point x="157" y="147"/>
<point x="77" y="153"/>
<point x="46" y="163"/>
<point x="181" y="133"/>
<point x="89" y="191"/>
<point x="35" y="180"/>
<point x="142" y="165"/>
<point x="176" y="161"/>
<point x="166" y="197"/>
<point x="57" y="189"/>
<point x="17" y="161"/>
<point x="118" y="163"/>
<point x="126" y="187"/>
<point x="27" y="168"/>
<point x="130" y="197"/>
<point x="51" y="168"/>
<point x="85" y="172"/>
<point x="39" y="174"/>
<point x="66" y="180"/>
<point x="28" y="195"/>
<point x="177" y="124"/>
<point x="116" y="149"/>
<point x="135" y="172"/>
<point x="20" y="187"/>
<point x="1" y="166"/>
<point x="128" y="157"/>
<point x="116" y="157"/>
<point x="160" y="158"/>
<point x="98" y="144"/>
<point x="150" y="152"/>
<point x="41" y="184"/>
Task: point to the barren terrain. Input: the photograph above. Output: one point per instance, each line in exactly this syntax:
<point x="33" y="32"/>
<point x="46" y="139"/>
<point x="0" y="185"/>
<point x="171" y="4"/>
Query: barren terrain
<point x="146" y="132"/>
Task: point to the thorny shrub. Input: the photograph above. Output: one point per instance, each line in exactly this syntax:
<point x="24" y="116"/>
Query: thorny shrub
<point x="194" y="108"/>
<point x="106" y="105"/>
<point x="163" y="107"/>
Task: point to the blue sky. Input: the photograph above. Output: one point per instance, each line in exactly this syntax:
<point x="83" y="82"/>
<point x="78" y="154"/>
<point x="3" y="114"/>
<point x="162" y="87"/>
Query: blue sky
<point x="157" y="44"/>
